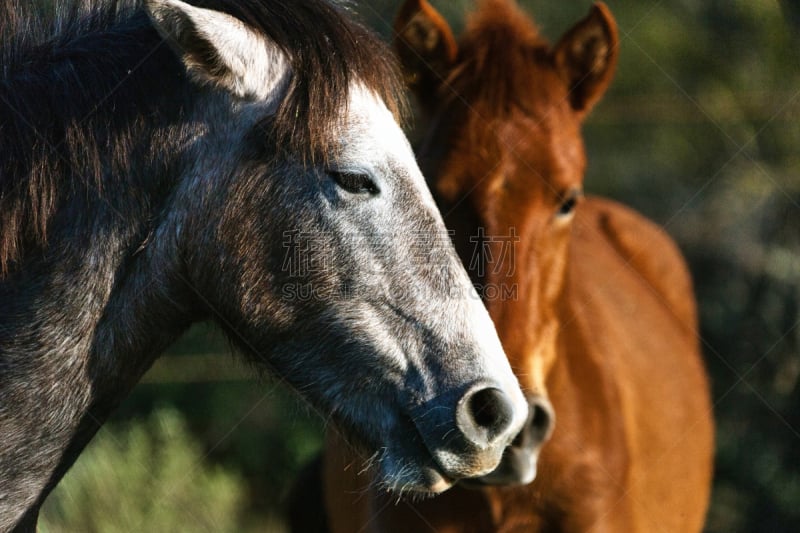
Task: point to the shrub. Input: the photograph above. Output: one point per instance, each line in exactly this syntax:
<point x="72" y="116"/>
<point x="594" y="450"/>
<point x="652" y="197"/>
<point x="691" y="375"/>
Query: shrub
<point x="150" y="475"/>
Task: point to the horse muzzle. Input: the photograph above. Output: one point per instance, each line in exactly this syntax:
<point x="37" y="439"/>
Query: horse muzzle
<point x="467" y="431"/>
<point x="519" y="462"/>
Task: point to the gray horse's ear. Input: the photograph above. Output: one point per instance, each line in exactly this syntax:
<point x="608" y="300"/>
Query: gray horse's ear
<point x="586" y="57"/>
<point x="221" y="50"/>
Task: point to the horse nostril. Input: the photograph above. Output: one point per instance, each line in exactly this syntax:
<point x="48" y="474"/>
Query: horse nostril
<point x="541" y="419"/>
<point x="539" y="427"/>
<point x="489" y="408"/>
<point x="484" y="414"/>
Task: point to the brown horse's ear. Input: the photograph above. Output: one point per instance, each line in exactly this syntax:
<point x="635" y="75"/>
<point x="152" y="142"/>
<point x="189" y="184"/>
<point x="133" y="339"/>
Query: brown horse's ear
<point x="586" y="57"/>
<point x="425" y="46"/>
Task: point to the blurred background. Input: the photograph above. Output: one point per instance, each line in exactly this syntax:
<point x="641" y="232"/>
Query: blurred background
<point x="700" y="132"/>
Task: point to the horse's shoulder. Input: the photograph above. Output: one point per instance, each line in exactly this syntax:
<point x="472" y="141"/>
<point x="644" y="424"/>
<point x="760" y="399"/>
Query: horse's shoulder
<point x="632" y="302"/>
<point x="644" y="249"/>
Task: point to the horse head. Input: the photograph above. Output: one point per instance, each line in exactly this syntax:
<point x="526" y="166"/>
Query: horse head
<point x="318" y="247"/>
<point x="507" y="160"/>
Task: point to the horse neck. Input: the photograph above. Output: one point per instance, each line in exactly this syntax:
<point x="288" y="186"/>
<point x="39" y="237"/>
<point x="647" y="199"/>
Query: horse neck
<point x="87" y="306"/>
<point x="528" y="309"/>
<point x="81" y="322"/>
<point x="86" y="120"/>
<point x="92" y="133"/>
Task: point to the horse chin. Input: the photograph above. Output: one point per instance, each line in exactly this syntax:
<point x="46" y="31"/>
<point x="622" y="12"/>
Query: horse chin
<point x="415" y="483"/>
<point x="518" y="467"/>
<point x="405" y="468"/>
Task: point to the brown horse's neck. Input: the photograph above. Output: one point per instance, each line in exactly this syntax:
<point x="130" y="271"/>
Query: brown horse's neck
<point x="528" y="319"/>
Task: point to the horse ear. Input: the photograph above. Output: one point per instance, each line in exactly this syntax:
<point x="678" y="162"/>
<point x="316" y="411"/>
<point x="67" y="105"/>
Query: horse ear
<point x="586" y="57"/>
<point x="221" y="50"/>
<point x="425" y="46"/>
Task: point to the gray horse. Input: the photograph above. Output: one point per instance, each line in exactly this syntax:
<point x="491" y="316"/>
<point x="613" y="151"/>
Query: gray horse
<point x="241" y="162"/>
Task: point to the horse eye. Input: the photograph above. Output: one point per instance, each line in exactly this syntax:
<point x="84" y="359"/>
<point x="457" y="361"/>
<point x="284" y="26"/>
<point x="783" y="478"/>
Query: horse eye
<point x="354" y="182"/>
<point x="569" y="202"/>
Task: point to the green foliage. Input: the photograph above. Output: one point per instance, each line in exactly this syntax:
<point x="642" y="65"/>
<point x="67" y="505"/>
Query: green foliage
<point x="145" y="476"/>
<point x="254" y="427"/>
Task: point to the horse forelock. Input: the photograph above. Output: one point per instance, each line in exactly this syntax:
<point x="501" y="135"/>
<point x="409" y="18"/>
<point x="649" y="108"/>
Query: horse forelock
<point x="496" y="52"/>
<point x="45" y="143"/>
<point x="329" y="54"/>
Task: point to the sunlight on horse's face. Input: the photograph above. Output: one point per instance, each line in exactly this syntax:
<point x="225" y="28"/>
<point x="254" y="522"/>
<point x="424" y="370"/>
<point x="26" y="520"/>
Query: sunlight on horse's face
<point x="374" y="305"/>
<point x="346" y="284"/>
<point x="376" y="308"/>
<point x="334" y="270"/>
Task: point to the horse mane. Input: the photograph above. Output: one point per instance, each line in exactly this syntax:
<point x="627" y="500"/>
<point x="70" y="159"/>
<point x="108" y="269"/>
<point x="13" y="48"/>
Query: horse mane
<point x="495" y="53"/>
<point x="328" y="50"/>
<point x="67" y="120"/>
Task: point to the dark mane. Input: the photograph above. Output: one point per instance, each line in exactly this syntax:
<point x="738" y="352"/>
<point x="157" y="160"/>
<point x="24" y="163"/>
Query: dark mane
<point x="498" y="45"/>
<point x="328" y="51"/>
<point x="82" y="81"/>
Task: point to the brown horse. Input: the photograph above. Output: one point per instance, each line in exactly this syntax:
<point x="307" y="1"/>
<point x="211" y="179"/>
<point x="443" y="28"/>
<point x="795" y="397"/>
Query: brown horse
<point x="598" y="317"/>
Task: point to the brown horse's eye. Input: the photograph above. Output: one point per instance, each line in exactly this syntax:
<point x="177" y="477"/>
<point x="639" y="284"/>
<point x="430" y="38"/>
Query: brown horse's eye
<point x="569" y="202"/>
<point x="355" y="182"/>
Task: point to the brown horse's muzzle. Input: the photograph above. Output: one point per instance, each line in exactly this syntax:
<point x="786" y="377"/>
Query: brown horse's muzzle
<point x="518" y="465"/>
